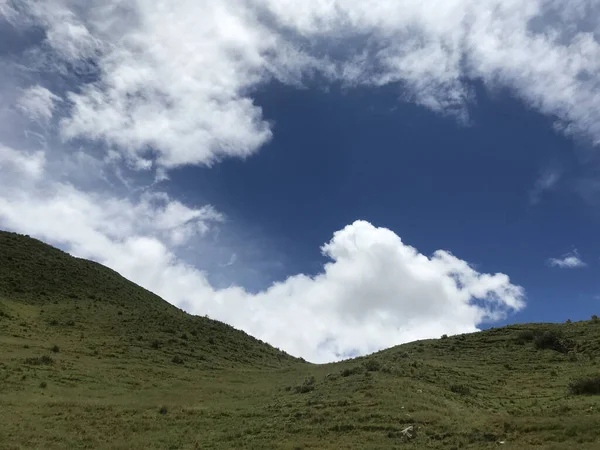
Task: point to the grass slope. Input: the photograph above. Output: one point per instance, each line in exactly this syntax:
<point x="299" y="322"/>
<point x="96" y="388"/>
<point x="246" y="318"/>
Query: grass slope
<point x="90" y="360"/>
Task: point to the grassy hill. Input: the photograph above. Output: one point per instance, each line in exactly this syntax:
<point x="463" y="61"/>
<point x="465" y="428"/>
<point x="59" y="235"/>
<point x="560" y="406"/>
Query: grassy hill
<point x="91" y="360"/>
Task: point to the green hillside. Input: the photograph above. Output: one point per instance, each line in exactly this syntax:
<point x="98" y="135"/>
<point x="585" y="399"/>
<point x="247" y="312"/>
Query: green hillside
<point x="91" y="360"/>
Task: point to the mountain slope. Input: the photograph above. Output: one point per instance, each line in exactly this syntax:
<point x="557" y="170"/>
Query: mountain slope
<point x="54" y="294"/>
<point x="90" y="360"/>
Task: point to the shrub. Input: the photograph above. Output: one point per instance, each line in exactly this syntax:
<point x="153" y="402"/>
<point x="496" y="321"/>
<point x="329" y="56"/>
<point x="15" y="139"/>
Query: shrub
<point x="41" y="361"/>
<point x="553" y="340"/>
<point x="307" y="386"/>
<point x="372" y="365"/>
<point x="177" y="359"/>
<point x="595" y="318"/>
<point x="444" y="336"/>
<point x="55" y="349"/>
<point x="351" y="371"/>
<point x="43" y="385"/>
<point x="155" y="344"/>
<point x="460" y="389"/>
<point x="569" y="321"/>
<point x="585" y="386"/>
<point x="163" y="410"/>
<point x="526" y="335"/>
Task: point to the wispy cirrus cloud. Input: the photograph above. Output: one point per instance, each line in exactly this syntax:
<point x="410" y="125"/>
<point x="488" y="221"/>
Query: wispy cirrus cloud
<point x="547" y="180"/>
<point x="568" y="261"/>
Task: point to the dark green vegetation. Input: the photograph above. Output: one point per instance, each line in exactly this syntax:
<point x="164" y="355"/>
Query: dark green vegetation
<point x="90" y="360"/>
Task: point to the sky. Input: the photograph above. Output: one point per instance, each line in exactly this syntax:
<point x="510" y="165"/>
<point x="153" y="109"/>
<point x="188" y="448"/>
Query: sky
<point x="334" y="177"/>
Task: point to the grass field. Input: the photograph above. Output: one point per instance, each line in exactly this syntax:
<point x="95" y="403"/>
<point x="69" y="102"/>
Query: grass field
<point x="90" y="360"/>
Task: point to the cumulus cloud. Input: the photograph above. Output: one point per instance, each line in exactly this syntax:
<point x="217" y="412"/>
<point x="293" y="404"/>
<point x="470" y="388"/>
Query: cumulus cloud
<point x="375" y="292"/>
<point x="568" y="261"/>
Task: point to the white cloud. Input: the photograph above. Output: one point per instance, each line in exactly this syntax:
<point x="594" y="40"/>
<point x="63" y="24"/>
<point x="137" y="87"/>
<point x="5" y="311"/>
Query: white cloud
<point x="13" y="162"/>
<point x="177" y="78"/>
<point x="568" y="261"/>
<point x="231" y="262"/>
<point x="547" y="181"/>
<point x="37" y="103"/>
<point x="375" y="292"/>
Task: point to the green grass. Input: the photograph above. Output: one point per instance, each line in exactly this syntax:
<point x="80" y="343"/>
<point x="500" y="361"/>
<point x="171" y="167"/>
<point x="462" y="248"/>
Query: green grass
<point x="90" y="360"/>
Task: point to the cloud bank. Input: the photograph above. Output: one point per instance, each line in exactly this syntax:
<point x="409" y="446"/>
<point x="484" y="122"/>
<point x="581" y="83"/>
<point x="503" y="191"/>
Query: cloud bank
<point x="98" y="95"/>
<point x="374" y="292"/>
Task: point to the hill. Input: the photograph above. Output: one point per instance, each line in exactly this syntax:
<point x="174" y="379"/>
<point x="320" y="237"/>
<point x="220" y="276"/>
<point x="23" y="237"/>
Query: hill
<point x="91" y="360"/>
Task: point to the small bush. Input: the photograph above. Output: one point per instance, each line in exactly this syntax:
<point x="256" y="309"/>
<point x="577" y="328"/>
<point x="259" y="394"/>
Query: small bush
<point x="163" y="410"/>
<point x="41" y="361"/>
<point x="526" y="336"/>
<point x="307" y="386"/>
<point x="595" y="318"/>
<point x="569" y="321"/>
<point x="177" y="359"/>
<point x="55" y="349"/>
<point x="460" y="389"/>
<point x="444" y="336"/>
<point x="585" y="386"/>
<point x="43" y="385"/>
<point x="184" y="337"/>
<point x="387" y="369"/>
<point x="155" y="344"/>
<point x="351" y="371"/>
<point x="553" y="340"/>
<point x="372" y="365"/>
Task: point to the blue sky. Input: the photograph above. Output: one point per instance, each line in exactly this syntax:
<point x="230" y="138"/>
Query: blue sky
<point x="346" y="155"/>
<point x="332" y="178"/>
